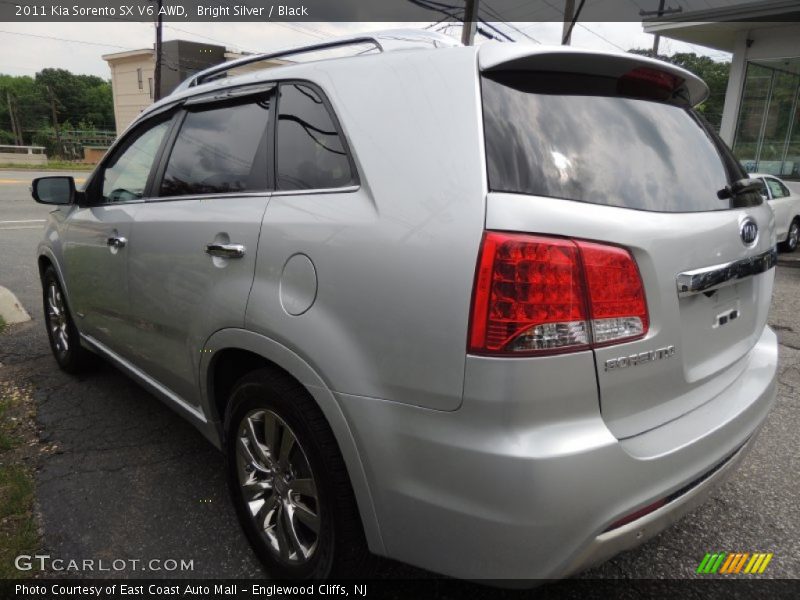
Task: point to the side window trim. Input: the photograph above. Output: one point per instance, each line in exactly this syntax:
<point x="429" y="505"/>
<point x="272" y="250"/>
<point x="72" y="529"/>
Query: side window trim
<point x="766" y="187"/>
<point x="94" y="187"/>
<point x="169" y="143"/>
<point x="355" y="184"/>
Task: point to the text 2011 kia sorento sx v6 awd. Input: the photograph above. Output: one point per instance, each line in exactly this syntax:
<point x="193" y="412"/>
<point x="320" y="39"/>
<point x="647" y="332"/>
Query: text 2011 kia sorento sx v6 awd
<point x="497" y="312"/>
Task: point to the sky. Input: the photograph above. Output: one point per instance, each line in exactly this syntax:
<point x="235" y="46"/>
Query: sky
<point x="78" y="47"/>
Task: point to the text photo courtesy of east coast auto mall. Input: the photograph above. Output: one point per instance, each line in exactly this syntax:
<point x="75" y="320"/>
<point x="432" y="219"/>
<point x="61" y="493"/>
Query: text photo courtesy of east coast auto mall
<point x="399" y="299"/>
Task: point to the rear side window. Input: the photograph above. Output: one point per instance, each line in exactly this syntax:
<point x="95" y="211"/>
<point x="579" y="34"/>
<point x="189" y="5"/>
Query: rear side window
<point x="777" y="188"/>
<point x="575" y="137"/>
<point x="221" y="148"/>
<point x="311" y="153"/>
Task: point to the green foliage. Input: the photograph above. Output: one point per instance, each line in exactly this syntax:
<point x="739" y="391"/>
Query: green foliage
<point x="714" y="73"/>
<point x="82" y="101"/>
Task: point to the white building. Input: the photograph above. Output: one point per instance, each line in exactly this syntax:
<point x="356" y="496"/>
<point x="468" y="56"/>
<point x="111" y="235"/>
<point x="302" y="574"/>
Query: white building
<point x="132" y="73"/>
<point x="761" y="118"/>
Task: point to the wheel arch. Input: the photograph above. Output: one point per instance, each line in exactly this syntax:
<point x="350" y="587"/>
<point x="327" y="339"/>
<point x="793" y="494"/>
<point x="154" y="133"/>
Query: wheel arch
<point x="46" y="258"/>
<point x="230" y="353"/>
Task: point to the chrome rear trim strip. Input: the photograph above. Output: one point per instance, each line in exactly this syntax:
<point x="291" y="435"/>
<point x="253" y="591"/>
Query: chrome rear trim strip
<point x="711" y="278"/>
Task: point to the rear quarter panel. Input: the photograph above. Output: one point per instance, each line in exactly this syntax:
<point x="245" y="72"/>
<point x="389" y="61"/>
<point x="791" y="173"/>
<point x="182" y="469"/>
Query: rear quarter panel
<point x="394" y="259"/>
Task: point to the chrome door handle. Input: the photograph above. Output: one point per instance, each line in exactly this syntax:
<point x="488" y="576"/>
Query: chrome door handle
<point x="226" y="250"/>
<point x="117" y="241"/>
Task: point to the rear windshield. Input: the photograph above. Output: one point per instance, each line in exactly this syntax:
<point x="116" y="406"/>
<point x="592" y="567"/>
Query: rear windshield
<point x="575" y="137"/>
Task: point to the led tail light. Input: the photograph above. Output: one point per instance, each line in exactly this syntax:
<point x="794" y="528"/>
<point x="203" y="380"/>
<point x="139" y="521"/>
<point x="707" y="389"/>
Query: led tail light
<point x="645" y="82"/>
<point x="540" y="295"/>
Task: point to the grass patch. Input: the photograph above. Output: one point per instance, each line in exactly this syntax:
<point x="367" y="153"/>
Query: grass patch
<point x="18" y="532"/>
<point x="53" y="165"/>
<point x="2" y="323"/>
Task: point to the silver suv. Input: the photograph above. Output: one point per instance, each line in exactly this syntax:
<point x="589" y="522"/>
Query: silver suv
<point x="497" y="312"/>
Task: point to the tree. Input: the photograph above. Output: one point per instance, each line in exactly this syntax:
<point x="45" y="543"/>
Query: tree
<point x="80" y="99"/>
<point x="714" y="73"/>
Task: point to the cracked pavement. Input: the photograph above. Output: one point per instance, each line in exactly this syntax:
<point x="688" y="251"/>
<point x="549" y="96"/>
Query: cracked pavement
<point x="130" y="479"/>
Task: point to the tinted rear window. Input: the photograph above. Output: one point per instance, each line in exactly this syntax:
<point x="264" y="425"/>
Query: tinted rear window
<point x="311" y="153"/>
<point x="574" y="137"/>
<point x="220" y="149"/>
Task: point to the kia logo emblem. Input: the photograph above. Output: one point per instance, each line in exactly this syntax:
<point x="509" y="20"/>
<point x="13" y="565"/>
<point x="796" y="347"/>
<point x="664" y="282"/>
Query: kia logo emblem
<point x="749" y="231"/>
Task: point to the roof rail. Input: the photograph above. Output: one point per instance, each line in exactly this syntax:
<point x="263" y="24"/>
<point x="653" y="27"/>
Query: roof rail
<point x="391" y="39"/>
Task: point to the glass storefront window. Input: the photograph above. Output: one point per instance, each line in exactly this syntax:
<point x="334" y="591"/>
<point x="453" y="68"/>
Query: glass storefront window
<point x="768" y="129"/>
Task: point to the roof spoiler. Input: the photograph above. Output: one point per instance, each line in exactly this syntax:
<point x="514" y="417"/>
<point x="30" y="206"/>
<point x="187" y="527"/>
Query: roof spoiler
<point x="505" y="57"/>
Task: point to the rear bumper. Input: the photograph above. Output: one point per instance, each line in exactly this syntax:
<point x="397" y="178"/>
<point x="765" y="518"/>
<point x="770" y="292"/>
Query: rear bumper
<point x="525" y="479"/>
<point x="610" y="543"/>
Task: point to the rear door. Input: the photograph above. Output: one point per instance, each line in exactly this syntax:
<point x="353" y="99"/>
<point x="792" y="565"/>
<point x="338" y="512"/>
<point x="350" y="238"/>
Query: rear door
<point x="782" y="205"/>
<point x="192" y="266"/>
<point x="616" y="156"/>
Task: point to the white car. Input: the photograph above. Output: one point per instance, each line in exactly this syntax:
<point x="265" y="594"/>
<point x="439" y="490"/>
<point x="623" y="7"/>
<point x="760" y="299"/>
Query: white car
<point x="786" y="206"/>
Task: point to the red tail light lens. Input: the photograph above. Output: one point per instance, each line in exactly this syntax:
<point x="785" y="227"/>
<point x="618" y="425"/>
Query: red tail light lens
<point x="541" y="295"/>
<point x="644" y="82"/>
<point x="616" y="295"/>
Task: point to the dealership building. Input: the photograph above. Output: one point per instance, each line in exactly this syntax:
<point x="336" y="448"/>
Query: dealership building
<point x="761" y="118"/>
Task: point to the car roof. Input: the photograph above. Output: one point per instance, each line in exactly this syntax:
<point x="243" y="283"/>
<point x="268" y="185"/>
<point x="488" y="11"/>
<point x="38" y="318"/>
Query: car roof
<point x="490" y="56"/>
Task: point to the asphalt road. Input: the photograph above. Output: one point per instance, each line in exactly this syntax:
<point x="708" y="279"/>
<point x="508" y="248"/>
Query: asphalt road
<point x="131" y="480"/>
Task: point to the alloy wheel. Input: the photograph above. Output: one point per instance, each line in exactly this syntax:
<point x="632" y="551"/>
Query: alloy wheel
<point x="794" y="236"/>
<point x="278" y="486"/>
<point x="57" y="318"/>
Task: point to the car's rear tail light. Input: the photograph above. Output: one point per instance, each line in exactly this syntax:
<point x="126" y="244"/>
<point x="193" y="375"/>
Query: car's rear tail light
<point x="542" y="295"/>
<point x="616" y="295"/>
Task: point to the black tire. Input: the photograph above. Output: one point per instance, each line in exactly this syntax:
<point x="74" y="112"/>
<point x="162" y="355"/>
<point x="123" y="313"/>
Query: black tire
<point x="64" y="338"/>
<point x="340" y="549"/>
<point x="792" y="237"/>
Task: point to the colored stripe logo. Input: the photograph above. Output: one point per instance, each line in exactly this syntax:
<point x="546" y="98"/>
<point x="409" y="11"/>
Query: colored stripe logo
<point x="734" y="563"/>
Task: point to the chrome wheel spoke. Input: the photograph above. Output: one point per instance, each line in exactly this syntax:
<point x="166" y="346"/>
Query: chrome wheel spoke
<point x="255" y="489"/>
<point x="271" y="432"/>
<point x="63" y="337"/>
<point x="287" y="443"/>
<point x="265" y="512"/>
<point x="249" y="461"/>
<point x="291" y="532"/>
<point x="256" y="447"/>
<point x="53" y="301"/>
<point x="308" y="518"/>
<point x="280" y="532"/>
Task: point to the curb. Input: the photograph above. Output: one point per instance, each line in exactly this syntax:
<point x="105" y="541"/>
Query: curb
<point x="11" y="309"/>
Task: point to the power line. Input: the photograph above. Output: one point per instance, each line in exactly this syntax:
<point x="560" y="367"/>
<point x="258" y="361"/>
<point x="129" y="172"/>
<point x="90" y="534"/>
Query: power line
<point x="50" y="37"/>
<point x="605" y="39"/>
<point x="491" y="11"/>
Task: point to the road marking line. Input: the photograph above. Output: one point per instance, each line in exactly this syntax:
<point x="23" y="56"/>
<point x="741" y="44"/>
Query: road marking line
<point x="24" y="221"/>
<point x="12" y="181"/>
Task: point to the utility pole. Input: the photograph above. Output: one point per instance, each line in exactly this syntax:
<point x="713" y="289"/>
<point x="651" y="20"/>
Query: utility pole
<point x="157" y="71"/>
<point x="470" y="22"/>
<point x="571" y="17"/>
<point x="14" y="124"/>
<point x="656" y="37"/>
<point x="566" y="31"/>
<point x="55" y="118"/>
<point x="659" y="13"/>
